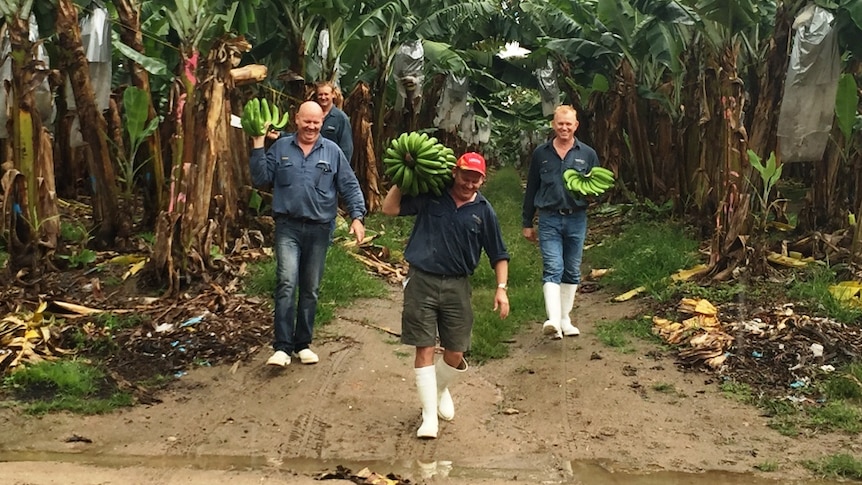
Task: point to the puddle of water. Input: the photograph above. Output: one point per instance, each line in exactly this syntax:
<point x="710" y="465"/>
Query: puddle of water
<point x="580" y="472"/>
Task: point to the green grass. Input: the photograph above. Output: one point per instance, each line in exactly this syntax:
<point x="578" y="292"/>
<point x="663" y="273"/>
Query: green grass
<point x="767" y="466"/>
<point x="66" y="385"/>
<point x="344" y="280"/>
<point x="737" y="391"/>
<point x="812" y="287"/>
<point x="645" y="254"/>
<point x="836" y="466"/>
<point x="837" y="413"/>
<point x="667" y="388"/>
<point x="98" y="338"/>
<point x="618" y="333"/>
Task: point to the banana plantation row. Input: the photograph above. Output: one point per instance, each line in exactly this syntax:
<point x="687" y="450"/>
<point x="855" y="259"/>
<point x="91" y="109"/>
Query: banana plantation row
<point x="696" y="106"/>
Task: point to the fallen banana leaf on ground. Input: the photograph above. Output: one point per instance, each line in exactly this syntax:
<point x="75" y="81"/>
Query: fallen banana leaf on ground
<point x="697" y="305"/>
<point x="847" y="292"/>
<point x="630" y="294"/>
<point x="28" y="338"/>
<point x="687" y="274"/>
<point x="681" y="275"/>
<point x="785" y="260"/>
<point x="137" y="267"/>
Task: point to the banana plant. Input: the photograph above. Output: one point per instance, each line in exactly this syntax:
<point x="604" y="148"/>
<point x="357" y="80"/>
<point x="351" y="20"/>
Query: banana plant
<point x="770" y="173"/>
<point x="199" y="169"/>
<point x="136" y="110"/>
<point x="30" y="212"/>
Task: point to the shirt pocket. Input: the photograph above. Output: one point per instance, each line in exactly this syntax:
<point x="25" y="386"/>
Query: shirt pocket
<point x="284" y="173"/>
<point x="581" y="166"/>
<point x="548" y="174"/>
<point x="325" y="176"/>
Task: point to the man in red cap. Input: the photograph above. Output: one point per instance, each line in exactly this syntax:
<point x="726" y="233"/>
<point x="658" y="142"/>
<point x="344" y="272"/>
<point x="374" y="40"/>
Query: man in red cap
<point x="448" y="237"/>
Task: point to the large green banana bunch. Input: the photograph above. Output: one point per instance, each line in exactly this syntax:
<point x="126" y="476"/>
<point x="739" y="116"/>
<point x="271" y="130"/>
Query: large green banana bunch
<point x="418" y="163"/>
<point x="595" y="182"/>
<point x="257" y="112"/>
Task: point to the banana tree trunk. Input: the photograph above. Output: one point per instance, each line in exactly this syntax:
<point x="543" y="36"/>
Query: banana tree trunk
<point x="770" y="86"/>
<point x="128" y="12"/>
<point x="724" y="144"/>
<point x="30" y="202"/>
<point x="358" y="105"/>
<point x="205" y="185"/>
<point x="73" y="60"/>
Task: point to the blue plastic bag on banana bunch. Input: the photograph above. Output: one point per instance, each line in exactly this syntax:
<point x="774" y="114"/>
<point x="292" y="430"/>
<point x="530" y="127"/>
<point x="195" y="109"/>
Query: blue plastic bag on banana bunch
<point x="453" y="103"/>
<point x="42" y="95"/>
<point x="409" y="73"/>
<point x="548" y="88"/>
<point x="808" y="105"/>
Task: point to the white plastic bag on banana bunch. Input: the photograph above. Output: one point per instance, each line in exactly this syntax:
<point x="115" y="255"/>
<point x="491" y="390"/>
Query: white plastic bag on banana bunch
<point x="408" y="71"/>
<point x="808" y="105"/>
<point x="96" y="38"/>
<point x="43" y="97"/>
<point x="453" y="103"/>
<point x="548" y="88"/>
<point x="467" y="130"/>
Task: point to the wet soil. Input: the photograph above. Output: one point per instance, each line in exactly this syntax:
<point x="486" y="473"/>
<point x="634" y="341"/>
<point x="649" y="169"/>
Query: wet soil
<point x="554" y="411"/>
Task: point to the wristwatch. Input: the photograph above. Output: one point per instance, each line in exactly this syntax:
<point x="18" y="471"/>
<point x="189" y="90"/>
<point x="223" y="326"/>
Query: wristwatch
<point x="503" y="286"/>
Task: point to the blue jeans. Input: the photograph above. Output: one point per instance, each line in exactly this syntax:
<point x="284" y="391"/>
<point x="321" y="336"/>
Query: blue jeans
<point x="300" y="252"/>
<point x="561" y="240"/>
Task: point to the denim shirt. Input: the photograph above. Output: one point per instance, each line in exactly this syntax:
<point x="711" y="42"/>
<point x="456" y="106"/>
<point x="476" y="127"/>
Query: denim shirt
<point x="307" y="187"/>
<point x="546" y="188"/>
<point x="448" y="240"/>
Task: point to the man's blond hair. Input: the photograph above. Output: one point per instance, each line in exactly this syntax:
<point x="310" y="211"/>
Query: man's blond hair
<point x="565" y="109"/>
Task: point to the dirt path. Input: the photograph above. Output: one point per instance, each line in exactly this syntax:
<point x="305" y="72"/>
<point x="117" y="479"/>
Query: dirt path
<point x="549" y="404"/>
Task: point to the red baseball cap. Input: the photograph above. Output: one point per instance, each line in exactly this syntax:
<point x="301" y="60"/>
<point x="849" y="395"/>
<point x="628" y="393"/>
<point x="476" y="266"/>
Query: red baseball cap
<point x="472" y="161"/>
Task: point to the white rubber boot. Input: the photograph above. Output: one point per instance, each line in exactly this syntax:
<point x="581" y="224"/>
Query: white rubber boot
<point x="552" y="307"/>
<point x="567" y="301"/>
<point x="426" y="384"/>
<point x="446" y="376"/>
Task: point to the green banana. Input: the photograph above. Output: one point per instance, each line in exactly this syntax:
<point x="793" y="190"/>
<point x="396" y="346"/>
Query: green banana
<point x="603" y="175"/>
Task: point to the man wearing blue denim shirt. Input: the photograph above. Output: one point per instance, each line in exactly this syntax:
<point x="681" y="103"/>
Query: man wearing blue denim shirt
<point x="562" y="224"/>
<point x="308" y="173"/>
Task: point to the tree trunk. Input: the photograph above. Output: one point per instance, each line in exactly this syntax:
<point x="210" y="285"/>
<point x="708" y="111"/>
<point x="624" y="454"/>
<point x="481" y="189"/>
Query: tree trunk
<point x="93" y="126"/>
<point x="770" y="86"/>
<point x="723" y="151"/>
<point x="30" y="200"/>
<point x="200" y="213"/>
<point x="130" y="34"/>
<point x="358" y="105"/>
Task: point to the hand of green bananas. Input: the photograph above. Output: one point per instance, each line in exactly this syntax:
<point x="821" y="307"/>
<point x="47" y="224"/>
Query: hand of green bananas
<point x="257" y="113"/>
<point x="595" y="182"/>
<point x="418" y="163"/>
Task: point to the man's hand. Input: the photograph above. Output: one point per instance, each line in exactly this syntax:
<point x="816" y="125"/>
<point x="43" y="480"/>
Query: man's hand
<point x="358" y="228"/>
<point x="530" y="234"/>
<point x="501" y="301"/>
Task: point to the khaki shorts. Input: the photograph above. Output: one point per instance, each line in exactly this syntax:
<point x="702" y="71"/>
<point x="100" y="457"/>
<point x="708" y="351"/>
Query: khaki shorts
<point x="437" y="305"/>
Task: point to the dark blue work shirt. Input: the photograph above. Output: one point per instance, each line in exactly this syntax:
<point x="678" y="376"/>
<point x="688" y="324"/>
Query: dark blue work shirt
<point x="307" y="187"/>
<point x="336" y="127"/>
<point x="448" y="240"/>
<point x="546" y="188"/>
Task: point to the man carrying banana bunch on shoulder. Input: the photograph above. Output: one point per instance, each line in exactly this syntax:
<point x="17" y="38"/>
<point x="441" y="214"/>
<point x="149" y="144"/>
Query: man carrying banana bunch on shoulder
<point x="450" y="232"/>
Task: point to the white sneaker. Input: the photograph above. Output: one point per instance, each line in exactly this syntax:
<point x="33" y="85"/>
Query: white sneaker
<point x="306" y="356"/>
<point x="279" y="359"/>
<point x="548" y="328"/>
<point x="568" y="329"/>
